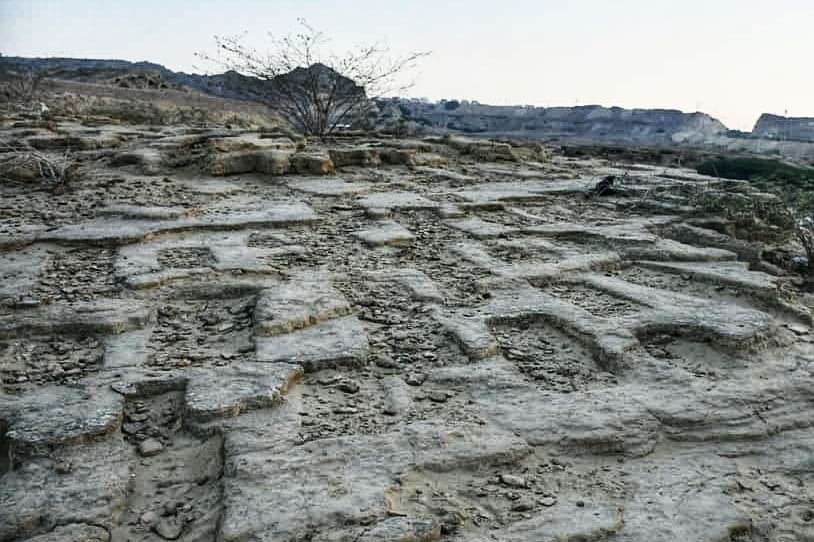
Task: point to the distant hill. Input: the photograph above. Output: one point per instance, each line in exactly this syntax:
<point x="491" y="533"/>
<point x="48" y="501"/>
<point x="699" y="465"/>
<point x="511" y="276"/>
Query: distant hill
<point x="231" y="85"/>
<point x="589" y="123"/>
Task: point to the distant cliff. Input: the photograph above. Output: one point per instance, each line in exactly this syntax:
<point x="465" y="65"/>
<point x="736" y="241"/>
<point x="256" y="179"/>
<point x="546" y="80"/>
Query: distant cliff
<point x="784" y="128"/>
<point x="591" y="122"/>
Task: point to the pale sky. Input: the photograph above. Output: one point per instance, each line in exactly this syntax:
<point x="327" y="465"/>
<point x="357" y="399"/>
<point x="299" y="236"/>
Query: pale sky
<point x="733" y="59"/>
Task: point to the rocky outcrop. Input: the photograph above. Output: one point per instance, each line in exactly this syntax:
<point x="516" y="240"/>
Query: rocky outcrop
<point x="786" y="128"/>
<point x="582" y="123"/>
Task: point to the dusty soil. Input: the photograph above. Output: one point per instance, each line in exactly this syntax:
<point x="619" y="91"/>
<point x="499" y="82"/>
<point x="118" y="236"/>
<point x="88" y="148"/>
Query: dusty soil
<point x="420" y="344"/>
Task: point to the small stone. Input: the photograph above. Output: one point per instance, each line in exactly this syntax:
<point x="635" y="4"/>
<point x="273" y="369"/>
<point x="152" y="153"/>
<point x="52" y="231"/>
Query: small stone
<point x="438" y="396"/>
<point x="512" y="480"/>
<point x="168" y="529"/>
<point x="580" y="504"/>
<point x="150" y="447"/>
<point x="133" y="428"/>
<point x="798" y="329"/>
<point x="63" y="467"/>
<point x="386" y="362"/>
<point x="348" y="386"/>
<point x="138" y="416"/>
<point x="149" y="518"/>
<point x="548" y="501"/>
<point x="523" y="505"/>
<point x="170" y="508"/>
<point x="415" y="379"/>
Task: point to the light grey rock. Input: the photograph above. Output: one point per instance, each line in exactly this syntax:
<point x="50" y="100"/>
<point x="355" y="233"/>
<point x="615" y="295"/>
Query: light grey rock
<point x="150" y="447"/>
<point x="386" y="233"/>
<point x="734" y="274"/>
<point x="667" y="250"/>
<point x="421" y="287"/>
<point x="329" y="186"/>
<point x="479" y="228"/>
<point x="594" y="521"/>
<point x="144" y="212"/>
<point x="332" y="482"/>
<point x="19" y="271"/>
<point x="169" y="528"/>
<point x="102" y="316"/>
<point x="333" y="343"/>
<point x="94" y="492"/>
<point x="396" y="200"/>
<point x="231" y="391"/>
<point x="76" y="532"/>
<point x="60" y="415"/>
<point x="397" y="397"/>
<point x="225" y="215"/>
<point x="297" y="304"/>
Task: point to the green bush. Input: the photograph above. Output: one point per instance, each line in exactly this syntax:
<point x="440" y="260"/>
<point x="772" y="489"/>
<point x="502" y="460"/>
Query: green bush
<point x="795" y="185"/>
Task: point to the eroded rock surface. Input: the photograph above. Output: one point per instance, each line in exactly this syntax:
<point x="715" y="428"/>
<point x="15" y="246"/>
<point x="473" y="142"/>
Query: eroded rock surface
<point x="443" y="340"/>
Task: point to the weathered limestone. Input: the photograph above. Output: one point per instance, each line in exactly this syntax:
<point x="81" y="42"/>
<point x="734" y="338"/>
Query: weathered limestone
<point x="592" y="521"/>
<point x="611" y="337"/>
<point x="667" y="250"/>
<point x="382" y="202"/>
<point x="74" y="532"/>
<point x="343" y="480"/>
<point x="333" y="343"/>
<point x="535" y="271"/>
<point x="104" y="316"/>
<point x="148" y="161"/>
<point x="138" y="265"/>
<point x="60" y="416"/>
<point x="140" y="212"/>
<point x="535" y="365"/>
<point x="231" y="391"/>
<point x="250" y="142"/>
<point x="244" y="214"/>
<point x="362" y="156"/>
<point x="386" y="233"/>
<point x="397" y="399"/>
<point x="421" y="287"/>
<point x="328" y="186"/>
<point x="479" y="228"/>
<point x="19" y="271"/>
<point x="74" y="485"/>
<point x="311" y="163"/>
<point x="270" y="162"/>
<point x="295" y="305"/>
<point x="532" y="190"/>
<point x="735" y="274"/>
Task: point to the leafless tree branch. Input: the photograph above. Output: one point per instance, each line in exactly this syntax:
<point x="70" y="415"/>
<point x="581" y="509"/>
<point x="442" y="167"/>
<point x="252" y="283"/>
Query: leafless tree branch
<point x="316" y="92"/>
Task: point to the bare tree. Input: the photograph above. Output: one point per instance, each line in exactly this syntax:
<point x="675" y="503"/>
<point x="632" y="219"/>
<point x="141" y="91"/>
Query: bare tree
<point x="317" y="92"/>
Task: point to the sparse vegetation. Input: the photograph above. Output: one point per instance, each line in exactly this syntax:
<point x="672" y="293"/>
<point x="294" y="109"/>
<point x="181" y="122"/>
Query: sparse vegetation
<point x="23" y="165"/>
<point x="795" y="185"/>
<point x="318" y="93"/>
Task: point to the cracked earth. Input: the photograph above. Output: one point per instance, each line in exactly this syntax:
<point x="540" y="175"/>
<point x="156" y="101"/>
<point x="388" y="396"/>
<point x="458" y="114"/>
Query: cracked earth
<point x="216" y="335"/>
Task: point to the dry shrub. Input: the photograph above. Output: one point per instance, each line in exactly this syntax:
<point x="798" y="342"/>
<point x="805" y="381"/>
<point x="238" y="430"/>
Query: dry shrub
<point x="23" y="165"/>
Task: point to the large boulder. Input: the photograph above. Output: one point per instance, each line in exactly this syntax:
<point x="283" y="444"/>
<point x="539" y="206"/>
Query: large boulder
<point x="271" y="162"/>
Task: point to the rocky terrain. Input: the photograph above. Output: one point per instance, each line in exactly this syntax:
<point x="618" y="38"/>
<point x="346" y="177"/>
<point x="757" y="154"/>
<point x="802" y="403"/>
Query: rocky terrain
<point x="217" y="334"/>
<point x="791" y="138"/>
